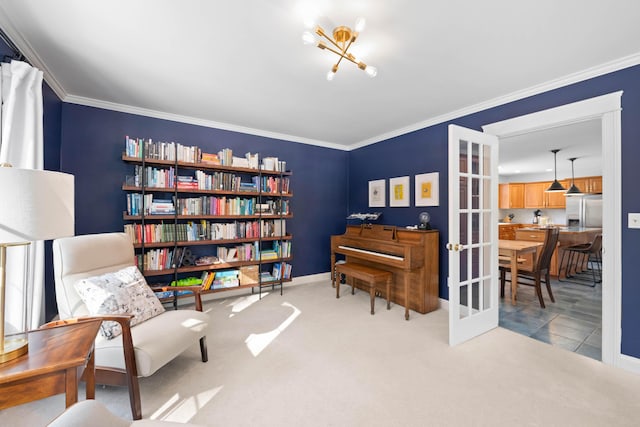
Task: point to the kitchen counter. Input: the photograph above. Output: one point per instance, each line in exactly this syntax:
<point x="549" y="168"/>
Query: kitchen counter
<point x="565" y="229"/>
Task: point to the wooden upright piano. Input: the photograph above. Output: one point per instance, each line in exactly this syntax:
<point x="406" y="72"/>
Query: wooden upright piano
<point x="411" y="255"/>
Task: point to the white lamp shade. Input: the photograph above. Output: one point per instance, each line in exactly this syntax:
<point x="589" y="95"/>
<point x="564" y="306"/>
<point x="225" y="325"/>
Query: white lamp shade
<point x="36" y="205"/>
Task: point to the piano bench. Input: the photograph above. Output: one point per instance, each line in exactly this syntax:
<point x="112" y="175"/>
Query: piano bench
<point x="369" y="275"/>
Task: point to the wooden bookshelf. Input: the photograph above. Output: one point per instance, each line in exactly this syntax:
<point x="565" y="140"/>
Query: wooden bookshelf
<point x="271" y="190"/>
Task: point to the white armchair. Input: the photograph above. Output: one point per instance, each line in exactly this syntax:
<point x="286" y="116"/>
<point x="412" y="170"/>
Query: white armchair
<point x="141" y="349"/>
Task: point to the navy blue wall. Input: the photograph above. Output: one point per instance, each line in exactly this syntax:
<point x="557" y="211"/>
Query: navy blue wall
<point x="426" y="150"/>
<point x="92" y="146"/>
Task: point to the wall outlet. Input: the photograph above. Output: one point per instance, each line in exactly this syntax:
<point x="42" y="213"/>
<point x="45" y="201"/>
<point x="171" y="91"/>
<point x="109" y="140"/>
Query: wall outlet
<point x="634" y="220"/>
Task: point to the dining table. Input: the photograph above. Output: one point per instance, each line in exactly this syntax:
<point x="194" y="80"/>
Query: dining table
<point x="514" y="250"/>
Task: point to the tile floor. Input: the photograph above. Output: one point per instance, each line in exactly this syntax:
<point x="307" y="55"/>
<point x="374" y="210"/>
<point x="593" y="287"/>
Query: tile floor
<point x="573" y="322"/>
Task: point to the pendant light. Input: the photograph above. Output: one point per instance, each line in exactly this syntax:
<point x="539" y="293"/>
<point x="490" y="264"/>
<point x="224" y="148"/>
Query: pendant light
<point x="555" y="186"/>
<point x="573" y="190"/>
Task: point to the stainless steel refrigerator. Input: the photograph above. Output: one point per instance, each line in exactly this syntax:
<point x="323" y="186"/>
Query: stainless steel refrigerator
<point x="584" y="211"/>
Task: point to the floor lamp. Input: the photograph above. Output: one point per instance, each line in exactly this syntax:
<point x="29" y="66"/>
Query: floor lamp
<point x="37" y="205"/>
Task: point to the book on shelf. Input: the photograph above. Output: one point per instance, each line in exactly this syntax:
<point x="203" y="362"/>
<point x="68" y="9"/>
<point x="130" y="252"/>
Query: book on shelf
<point x="240" y="162"/>
<point x="157" y="150"/>
<point x="226" y="279"/>
<point x="281" y="270"/>
<point x="207" y="279"/>
<point x="210" y="158"/>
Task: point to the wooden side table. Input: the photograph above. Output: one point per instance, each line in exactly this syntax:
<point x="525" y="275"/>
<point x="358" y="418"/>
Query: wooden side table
<point x="54" y="364"/>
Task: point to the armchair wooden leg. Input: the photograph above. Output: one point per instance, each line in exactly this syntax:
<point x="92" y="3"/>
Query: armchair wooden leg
<point x="134" y="397"/>
<point x="203" y="349"/>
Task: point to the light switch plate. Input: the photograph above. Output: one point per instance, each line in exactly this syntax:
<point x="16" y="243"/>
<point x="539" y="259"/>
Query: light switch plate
<point x="634" y="220"/>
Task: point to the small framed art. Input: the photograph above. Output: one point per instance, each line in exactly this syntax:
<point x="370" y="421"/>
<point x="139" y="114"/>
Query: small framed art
<point x="399" y="191"/>
<point x="427" y="189"/>
<point x="377" y="196"/>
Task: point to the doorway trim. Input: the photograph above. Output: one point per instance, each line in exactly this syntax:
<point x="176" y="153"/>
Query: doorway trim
<point x="606" y="108"/>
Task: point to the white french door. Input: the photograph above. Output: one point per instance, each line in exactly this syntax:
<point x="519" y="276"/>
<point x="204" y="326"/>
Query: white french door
<point x="473" y="233"/>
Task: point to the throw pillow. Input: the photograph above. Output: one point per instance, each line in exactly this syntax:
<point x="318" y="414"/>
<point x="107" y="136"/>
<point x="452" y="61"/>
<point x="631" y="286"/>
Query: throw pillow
<point x="120" y="292"/>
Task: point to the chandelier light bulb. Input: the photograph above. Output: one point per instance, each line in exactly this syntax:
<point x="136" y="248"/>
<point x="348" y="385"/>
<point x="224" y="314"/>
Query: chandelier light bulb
<point x="330" y="75"/>
<point x="361" y="23"/>
<point x="308" y="37"/>
<point x="371" y="71"/>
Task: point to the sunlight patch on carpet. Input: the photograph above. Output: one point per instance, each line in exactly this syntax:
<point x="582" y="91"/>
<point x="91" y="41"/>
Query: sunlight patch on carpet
<point x="258" y="342"/>
<point x="183" y="409"/>
<point x="242" y="303"/>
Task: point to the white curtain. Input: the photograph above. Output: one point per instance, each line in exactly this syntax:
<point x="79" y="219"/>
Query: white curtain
<point x="21" y="145"/>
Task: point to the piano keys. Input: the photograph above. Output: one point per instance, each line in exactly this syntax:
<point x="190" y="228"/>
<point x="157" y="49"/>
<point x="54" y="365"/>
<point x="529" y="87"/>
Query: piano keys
<point x="411" y="255"/>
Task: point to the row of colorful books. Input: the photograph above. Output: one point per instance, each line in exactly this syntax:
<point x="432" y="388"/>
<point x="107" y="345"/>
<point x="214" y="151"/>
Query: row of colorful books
<point x="138" y="203"/>
<point x="192" y="231"/>
<point x="211" y="205"/>
<point x="158" y="150"/>
<point x="244" y="252"/>
<point x="270" y="184"/>
<point x="281" y="270"/>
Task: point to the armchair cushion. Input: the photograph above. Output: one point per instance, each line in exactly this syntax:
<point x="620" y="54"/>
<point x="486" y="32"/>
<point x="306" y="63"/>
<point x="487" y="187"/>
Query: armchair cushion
<point x="124" y="291"/>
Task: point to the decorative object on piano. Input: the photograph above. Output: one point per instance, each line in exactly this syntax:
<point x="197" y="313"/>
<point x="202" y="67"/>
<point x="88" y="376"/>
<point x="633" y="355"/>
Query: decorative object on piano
<point x="373" y="216"/>
<point x="377" y="196"/>
<point x="399" y="191"/>
<point x="427" y="189"/>
<point x="424" y="219"/>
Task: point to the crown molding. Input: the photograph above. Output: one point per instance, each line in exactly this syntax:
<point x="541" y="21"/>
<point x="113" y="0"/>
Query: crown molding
<point x="609" y="67"/>
<point x="29" y="53"/>
<point x="56" y="86"/>
<point x="90" y="102"/>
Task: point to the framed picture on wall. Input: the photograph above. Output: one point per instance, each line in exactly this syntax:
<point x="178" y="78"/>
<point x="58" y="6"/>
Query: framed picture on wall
<point x="377" y="196"/>
<point x="399" y="191"/>
<point x="427" y="189"/>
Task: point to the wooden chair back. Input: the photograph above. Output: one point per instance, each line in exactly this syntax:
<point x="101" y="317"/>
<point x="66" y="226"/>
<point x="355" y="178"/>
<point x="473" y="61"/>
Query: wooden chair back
<point x="549" y="245"/>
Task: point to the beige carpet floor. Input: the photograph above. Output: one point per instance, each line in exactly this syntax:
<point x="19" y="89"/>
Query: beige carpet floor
<point x="307" y="359"/>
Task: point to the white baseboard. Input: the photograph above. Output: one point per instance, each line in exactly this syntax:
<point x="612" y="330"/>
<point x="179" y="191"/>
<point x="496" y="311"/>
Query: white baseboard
<point x="629" y="363"/>
<point x="296" y="281"/>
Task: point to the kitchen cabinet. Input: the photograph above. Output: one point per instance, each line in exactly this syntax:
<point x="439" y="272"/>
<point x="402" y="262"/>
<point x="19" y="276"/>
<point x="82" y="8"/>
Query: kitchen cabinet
<point x="508" y="231"/>
<point x="594" y="185"/>
<point x="588" y="184"/>
<point x="557" y="200"/>
<point x="536" y="196"/>
<point x="511" y="196"/>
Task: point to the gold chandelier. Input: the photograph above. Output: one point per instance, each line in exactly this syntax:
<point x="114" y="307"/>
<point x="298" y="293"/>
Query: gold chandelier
<point x="342" y="38"/>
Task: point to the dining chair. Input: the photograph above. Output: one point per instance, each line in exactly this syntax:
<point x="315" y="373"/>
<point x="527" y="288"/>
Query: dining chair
<point x="540" y="269"/>
<point x="580" y="255"/>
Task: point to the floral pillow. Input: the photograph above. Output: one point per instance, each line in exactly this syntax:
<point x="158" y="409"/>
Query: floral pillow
<point x="121" y="292"/>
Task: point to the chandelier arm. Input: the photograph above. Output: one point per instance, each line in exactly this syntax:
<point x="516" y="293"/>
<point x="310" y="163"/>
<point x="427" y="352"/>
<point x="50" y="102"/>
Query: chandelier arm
<point x="340" y="54"/>
<point x="320" y="32"/>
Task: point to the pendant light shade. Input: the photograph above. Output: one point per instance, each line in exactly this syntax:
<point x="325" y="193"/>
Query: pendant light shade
<point x="555" y="185"/>
<point x="573" y="190"/>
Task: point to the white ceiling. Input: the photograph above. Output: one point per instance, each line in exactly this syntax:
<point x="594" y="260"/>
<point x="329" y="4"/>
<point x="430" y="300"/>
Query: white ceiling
<point x="529" y="157"/>
<point x="241" y="65"/>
